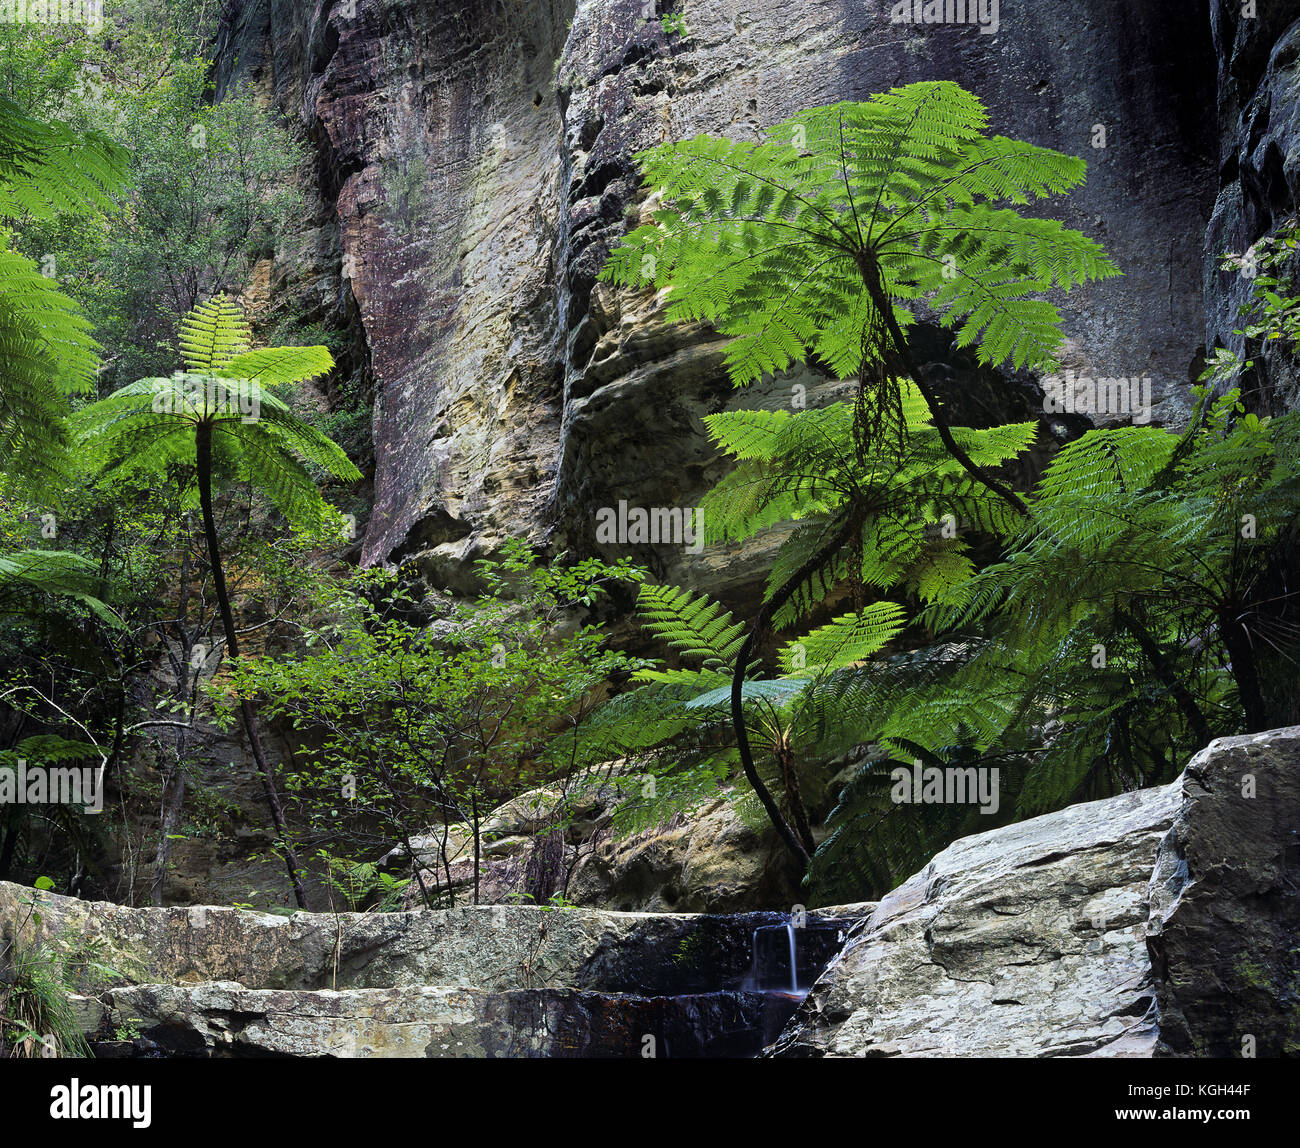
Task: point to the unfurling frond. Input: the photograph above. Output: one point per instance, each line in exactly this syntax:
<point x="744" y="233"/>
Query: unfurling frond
<point x="212" y="334"/>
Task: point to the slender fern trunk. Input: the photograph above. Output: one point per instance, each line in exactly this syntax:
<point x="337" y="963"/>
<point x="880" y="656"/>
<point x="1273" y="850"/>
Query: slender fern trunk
<point x="794" y="797"/>
<point x="880" y="300"/>
<point x="173" y="799"/>
<point x="1245" y="670"/>
<point x="838" y="539"/>
<point x="248" y="717"/>
<point x="1196" y="723"/>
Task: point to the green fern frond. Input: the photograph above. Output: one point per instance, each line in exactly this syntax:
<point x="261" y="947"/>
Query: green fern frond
<point x="768" y="242"/>
<point x="279" y="366"/>
<point x="58" y="572"/>
<point x="48" y="170"/>
<point x="848" y="639"/>
<point x="212" y="335"/>
<point x="692" y="624"/>
<point x="46" y="351"/>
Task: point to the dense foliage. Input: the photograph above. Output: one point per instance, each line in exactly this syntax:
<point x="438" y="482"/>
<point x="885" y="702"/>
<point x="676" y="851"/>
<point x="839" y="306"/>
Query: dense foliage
<point x="178" y="581"/>
<point x="1142" y="604"/>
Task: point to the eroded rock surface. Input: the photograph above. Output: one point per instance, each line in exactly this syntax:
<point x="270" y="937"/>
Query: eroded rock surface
<point x="228" y="1020"/>
<point x="1224" y="925"/>
<point x="1024" y="941"/>
<point x="477" y="160"/>
<point x="495" y="947"/>
<point x="1259" y="173"/>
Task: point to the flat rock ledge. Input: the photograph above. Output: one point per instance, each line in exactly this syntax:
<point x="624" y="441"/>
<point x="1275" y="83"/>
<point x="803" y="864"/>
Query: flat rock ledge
<point x="226" y="1020"/>
<point x="1164" y="922"/>
<point x="492" y="947"/>
<point x="488" y="981"/>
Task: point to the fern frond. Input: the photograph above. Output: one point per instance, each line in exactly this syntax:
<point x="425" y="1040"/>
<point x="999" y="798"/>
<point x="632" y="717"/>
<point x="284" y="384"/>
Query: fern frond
<point x="848" y="639"/>
<point x="692" y="624"/>
<point x="768" y="242"/>
<point x="48" y="170"/>
<point x="279" y="366"/>
<point x="58" y="572"/>
<point x="212" y="335"/>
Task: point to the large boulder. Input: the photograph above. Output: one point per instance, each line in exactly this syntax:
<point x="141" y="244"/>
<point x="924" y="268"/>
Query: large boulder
<point x="1223" y="930"/>
<point x="1160" y="922"/>
<point x="711" y="859"/>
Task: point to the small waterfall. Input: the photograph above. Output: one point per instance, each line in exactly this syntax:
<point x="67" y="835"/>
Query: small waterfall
<point x="794" y="961"/>
<point x="754" y="982"/>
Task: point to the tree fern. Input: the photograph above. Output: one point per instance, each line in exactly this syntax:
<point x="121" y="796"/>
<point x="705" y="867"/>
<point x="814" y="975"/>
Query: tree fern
<point x="1135" y="617"/>
<point x="807" y="466"/>
<point x="815" y="242"/>
<point x="218" y="418"/>
<point x="253" y="435"/>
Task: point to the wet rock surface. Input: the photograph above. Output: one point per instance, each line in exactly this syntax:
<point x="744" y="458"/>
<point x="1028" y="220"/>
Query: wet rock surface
<point x="488" y="947"/>
<point x="226" y="1020"/>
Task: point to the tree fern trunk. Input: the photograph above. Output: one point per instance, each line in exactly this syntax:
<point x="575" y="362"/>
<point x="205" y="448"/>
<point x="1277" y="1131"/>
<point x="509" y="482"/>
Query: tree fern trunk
<point x="794" y="798"/>
<point x="478" y="841"/>
<point x="1196" y="723"/>
<point x="203" y="449"/>
<point x="880" y="300"/>
<point x="1245" y="671"/>
<point x="837" y="540"/>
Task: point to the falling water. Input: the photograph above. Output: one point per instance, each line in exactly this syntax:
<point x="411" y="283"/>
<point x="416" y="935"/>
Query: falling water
<point x="794" y="964"/>
<point x="754" y="982"/>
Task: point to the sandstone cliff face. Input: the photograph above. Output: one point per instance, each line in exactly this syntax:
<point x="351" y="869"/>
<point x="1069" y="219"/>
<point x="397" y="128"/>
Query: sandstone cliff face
<point x="476" y="166"/>
<point x="1259" y="173"/>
